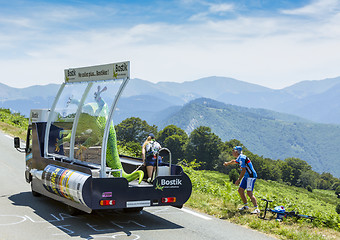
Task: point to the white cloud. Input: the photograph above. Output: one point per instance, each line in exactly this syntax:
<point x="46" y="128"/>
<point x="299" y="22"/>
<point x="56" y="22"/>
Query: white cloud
<point x="221" y="8"/>
<point x="15" y="22"/>
<point x="316" y="8"/>
<point x="270" y="51"/>
<point x="213" y="9"/>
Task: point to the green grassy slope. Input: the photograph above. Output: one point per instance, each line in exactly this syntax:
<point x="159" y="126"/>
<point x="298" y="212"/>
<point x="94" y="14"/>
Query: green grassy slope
<point x="214" y="194"/>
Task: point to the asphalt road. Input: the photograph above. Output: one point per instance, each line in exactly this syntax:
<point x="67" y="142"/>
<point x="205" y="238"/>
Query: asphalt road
<point x="23" y="216"/>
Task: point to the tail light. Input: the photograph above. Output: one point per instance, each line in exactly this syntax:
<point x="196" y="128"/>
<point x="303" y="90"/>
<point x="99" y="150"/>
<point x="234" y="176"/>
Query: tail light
<point x="107" y="202"/>
<point x="169" y="200"/>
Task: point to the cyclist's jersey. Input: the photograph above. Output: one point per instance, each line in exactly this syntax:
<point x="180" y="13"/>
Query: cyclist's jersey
<point x="245" y="162"/>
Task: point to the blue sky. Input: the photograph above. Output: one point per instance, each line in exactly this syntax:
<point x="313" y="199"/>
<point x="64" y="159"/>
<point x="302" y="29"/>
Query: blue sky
<point x="266" y="42"/>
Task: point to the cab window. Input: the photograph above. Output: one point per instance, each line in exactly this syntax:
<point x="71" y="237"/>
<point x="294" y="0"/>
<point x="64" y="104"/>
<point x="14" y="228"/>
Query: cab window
<point x="29" y="141"/>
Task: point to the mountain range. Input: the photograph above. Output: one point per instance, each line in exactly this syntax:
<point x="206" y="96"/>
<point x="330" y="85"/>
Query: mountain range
<point x="317" y="100"/>
<point x="273" y="123"/>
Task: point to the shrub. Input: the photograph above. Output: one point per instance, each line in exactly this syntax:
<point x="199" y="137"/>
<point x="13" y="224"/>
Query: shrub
<point x="337" y="190"/>
<point x="309" y="188"/>
<point x="233" y="175"/>
<point x="335" y="185"/>
<point x="338" y="208"/>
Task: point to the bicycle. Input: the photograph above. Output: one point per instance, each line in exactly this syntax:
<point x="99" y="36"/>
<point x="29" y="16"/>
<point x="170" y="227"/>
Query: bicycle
<point x="281" y="212"/>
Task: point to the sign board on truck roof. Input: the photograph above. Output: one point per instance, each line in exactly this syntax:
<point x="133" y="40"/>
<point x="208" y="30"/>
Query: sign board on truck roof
<point x="38" y="115"/>
<point x="111" y="71"/>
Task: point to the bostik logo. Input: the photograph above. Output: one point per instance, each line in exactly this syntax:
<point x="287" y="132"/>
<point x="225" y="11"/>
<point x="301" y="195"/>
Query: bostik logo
<point x="168" y="183"/>
<point x="174" y="182"/>
<point x="35" y="115"/>
<point x="71" y="73"/>
<point x="121" y="67"/>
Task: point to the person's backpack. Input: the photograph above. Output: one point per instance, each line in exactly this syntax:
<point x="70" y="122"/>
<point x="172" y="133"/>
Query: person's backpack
<point x="152" y="148"/>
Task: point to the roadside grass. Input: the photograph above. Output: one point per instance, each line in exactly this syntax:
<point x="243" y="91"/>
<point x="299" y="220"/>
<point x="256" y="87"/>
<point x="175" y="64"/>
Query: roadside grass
<point x="13" y="131"/>
<point x="215" y="195"/>
<point x="13" y="124"/>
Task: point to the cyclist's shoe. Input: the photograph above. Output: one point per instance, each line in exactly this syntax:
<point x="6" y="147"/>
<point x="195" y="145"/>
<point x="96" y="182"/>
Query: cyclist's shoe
<point x="245" y="207"/>
<point x="256" y="211"/>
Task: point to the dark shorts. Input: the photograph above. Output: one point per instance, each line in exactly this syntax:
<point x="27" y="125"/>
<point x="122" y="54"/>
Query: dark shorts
<point x="151" y="161"/>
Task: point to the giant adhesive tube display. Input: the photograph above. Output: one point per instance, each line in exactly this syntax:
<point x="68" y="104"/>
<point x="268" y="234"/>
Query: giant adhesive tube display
<point x="64" y="182"/>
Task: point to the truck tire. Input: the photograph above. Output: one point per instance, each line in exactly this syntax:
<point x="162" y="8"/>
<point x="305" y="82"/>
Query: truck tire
<point x="28" y="176"/>
<point x="34" y="193"/>
<point x="73" y="211"/>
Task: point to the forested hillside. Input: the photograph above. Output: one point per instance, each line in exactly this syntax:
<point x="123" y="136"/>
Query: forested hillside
<point x="266" y="133"/>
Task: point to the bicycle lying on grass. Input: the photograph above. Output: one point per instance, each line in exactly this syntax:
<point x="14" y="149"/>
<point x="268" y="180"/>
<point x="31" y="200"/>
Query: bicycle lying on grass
<point x="281" y="212"/>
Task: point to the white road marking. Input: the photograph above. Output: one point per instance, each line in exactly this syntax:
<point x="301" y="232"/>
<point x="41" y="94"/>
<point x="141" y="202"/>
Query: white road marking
<point x="195" y="214"/>
<point x="21" y="219"/>
<point x="9" y="136"/>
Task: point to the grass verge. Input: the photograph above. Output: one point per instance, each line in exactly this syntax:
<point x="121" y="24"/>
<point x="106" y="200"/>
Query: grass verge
<point x="215" y="195"/>
<point x="13" y="131"/>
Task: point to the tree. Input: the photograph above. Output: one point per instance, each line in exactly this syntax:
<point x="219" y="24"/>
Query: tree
<point x="135" y="148"/>
<point x="134" y="130"/>
<point x="204" y="146"/>
<point x="292" y="170"/>
<point x="265" y="168"/>
<point x="328" y="180"/>
<point x="173" y="138"/>
<point x="323" y="184"/>
<point x="229" y="145"/>
<point x="171" y="130"/>
<point x="226" y="155"/>
<point x="287" y="172"/>
<point x="176" y="146"/>
<point x="307" y="178"/>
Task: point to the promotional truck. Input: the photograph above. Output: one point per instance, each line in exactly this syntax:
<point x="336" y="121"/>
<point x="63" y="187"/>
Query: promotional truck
<point x="72" y="155"/>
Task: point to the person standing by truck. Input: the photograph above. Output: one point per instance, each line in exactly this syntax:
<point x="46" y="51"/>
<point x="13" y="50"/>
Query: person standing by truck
<point x="247" y="178"/>
<point x="149" y="154"/>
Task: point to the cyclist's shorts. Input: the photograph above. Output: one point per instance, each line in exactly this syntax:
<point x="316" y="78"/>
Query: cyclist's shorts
<point x="248" y="183"/>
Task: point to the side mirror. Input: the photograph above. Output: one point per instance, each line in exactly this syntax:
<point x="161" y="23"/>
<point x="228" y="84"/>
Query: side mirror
<point x="17" y="145"/>
<point x="16" y="142"/>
